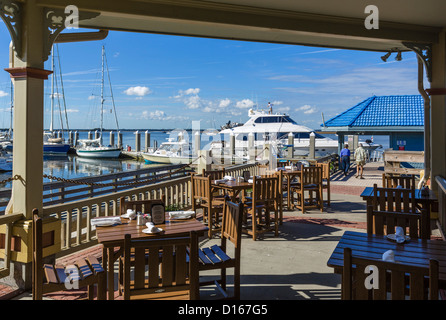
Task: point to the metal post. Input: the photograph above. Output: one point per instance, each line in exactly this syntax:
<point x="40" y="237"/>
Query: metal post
<point x="147" y="140"/>
<point x="112" y="138"/>
<point x="312" y="153"/>
<point x="290" y="151"/>
<point x="137" y="141"/>
<point x="119" y="139"/>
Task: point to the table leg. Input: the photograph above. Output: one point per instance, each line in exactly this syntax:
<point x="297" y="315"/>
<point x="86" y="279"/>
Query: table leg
<point x="111" y="274"/>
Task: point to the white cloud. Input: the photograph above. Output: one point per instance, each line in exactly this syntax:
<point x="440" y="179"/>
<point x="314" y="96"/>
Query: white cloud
<point x="72" y="110"/>
<point x="161" y="116"/>
<point x="190" y="98"/>
<point x="138" y="91"/>
<point x="244" y="104"/>
<point x="3" y="93"/>
<point x="307" y="109"/>
<point x="224" y="103"/>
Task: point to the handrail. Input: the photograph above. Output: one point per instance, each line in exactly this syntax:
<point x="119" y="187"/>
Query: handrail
<point x="86" y="187"/>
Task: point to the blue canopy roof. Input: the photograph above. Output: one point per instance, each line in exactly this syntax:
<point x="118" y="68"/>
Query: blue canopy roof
<point x="383" y="111"/>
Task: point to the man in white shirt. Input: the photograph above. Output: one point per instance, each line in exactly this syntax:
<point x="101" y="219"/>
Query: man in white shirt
<point x="360" y="157"/>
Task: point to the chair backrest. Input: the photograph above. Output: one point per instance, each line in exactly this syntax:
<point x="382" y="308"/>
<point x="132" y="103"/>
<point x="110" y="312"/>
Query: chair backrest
<point x="391" y="181"/>
<point x="394" y="207"/>
<point x="266" y="190"/>
<point x="201" y="188"/>
<point x="138" y="205"/>
<point x="214" y="174"/>
<point x="231" y="228"/>
<point x="325" y="170"/>
<point x="356" y="271"/>
<point x="172" y="265"/>
<point x="311" y="175"/>
<point x="394" y="199"/>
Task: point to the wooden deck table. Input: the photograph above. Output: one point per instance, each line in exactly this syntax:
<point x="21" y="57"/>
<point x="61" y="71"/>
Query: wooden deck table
<point x="289" y="176"/>
<point x="112" y="237"/>
<point x="416" y="252"/>
<point x="233" y="188"/>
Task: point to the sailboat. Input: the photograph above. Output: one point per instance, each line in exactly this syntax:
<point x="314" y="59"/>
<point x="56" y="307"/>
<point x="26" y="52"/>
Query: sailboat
<point x="93" y="148"/>
<point x="51" y="143"/>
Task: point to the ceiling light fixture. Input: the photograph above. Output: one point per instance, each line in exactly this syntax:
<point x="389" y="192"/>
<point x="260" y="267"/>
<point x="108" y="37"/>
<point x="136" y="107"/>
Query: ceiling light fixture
<point x="386" y="56"/>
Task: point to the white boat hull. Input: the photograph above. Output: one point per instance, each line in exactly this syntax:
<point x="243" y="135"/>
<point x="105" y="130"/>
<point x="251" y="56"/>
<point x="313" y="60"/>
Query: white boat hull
<point x="99" y="153"/>
<point x="152" y="158"/>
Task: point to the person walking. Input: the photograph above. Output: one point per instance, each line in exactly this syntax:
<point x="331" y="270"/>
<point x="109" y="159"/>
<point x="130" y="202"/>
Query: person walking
<point x="360" y="157"/>
<point x="345" y="159"/>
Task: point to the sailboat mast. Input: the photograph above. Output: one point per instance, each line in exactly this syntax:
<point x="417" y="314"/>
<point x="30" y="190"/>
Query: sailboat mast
<point x="102" y="92"/>
<point x="52" y="90"/>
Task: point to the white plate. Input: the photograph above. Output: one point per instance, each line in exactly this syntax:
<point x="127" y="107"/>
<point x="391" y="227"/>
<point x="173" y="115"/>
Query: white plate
<point x="392" y="237"/>
<point x="147" y="231"/>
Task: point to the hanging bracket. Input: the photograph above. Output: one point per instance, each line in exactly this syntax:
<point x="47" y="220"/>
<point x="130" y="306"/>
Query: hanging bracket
<point x="424" y="51"/>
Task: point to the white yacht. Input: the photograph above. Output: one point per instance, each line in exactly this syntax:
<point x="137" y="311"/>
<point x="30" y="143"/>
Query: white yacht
<point x="267" y="127"/>
<point x="170" y="151"/>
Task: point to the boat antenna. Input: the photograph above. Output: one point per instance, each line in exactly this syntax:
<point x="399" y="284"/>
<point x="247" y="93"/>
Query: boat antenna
<point x="323" y="121"/>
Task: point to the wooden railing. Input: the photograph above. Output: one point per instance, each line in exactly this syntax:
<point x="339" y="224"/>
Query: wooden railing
<point x="77" y="232"/>
<point x="88" y="187"/>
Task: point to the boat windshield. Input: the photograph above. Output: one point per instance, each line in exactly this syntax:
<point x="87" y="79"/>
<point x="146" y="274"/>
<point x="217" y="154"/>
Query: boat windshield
<point x="274" y="119"/>
<point x="169" y="147"/>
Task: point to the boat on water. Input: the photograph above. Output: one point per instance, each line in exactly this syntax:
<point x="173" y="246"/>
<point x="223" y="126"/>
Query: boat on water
<point x="5" y="160"/>
<point x="93" y="148"/>
<point x="274" y="128"/>
<point x="54" y="145"/>
<point x="6" y="141"/>
<point x="51" y="143"/>
<point x="170" y="151"/>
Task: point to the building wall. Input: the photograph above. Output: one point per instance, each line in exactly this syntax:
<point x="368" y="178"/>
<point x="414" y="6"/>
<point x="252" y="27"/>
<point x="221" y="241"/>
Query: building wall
<point x="410" y="141"/>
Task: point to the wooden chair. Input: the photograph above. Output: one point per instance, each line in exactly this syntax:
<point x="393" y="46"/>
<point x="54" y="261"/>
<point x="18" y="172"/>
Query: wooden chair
<point x="393" y="207"/>
<point x="171" y="264"/>
<point x="214" y="174"/>
<point x="310" y="180"/>
<point x="405" y="181"/>
<point x="391" y="277"/>
<point x="216" y="256"/>
<point x="265" y="199"/>
<point x="202" y="197"/>
<point x="325" y="179"/>
<point x="47" y="277"/>
<point x="138" y="205"/>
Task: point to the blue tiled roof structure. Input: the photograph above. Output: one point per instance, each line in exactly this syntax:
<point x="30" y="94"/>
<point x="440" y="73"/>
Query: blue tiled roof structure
<point x="383" y="111"/>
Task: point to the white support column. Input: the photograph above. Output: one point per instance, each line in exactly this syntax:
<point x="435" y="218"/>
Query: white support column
<point x="28" y="75"/>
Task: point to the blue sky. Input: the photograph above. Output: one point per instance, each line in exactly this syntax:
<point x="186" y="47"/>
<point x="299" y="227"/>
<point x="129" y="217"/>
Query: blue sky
<point x="162" y="81"/>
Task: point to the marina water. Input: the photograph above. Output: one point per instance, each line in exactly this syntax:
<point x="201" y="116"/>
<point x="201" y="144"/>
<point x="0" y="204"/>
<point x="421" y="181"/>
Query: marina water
<point x="71" y="166"/>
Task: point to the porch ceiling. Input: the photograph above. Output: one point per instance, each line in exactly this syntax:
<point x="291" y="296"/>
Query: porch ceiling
<point x="326" y="23"/>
